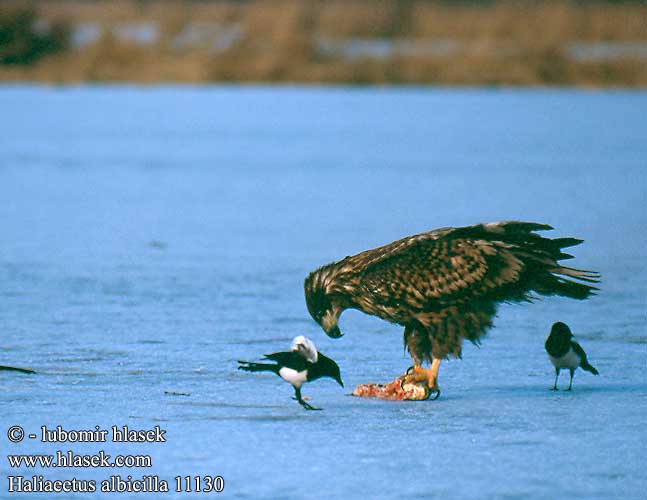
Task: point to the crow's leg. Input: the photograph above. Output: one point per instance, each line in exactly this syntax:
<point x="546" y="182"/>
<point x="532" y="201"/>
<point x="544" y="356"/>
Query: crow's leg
<point x="556" y="377"/>
<point x="572" y="370"/>
<point x="306" y="405"/>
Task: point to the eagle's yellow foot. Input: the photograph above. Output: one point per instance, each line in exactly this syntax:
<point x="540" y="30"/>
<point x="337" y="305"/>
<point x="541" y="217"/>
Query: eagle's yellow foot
<point x="417" y="375"/>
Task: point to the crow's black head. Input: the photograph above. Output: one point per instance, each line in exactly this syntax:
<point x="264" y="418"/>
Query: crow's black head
<point x="561" y="330"/>
<point x="326" y="367"/>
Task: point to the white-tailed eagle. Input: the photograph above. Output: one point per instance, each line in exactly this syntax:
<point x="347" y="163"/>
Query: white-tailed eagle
<point x="445" y="285"/>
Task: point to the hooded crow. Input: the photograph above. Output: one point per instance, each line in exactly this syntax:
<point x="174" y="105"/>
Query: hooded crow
<point x="303" y="363"/>
<point x="565" y="352"/>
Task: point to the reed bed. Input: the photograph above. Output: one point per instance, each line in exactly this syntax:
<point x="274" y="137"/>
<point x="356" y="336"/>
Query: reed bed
<point x="520" y="42"/>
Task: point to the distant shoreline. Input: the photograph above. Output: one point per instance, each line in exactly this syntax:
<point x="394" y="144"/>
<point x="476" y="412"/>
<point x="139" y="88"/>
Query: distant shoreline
<point x="161" y="85"/>
<point x="18" y="84"/>
<point x="546" y="43"/>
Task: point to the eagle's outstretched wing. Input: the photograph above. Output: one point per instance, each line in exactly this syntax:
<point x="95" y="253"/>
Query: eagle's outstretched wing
<point x="449" y="281"/>
<point x="436" y="269"/>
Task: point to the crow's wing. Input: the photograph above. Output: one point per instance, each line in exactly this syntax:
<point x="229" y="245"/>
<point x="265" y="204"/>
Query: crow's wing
<point x="290" y="359"/>
<point x="584" y="362"/>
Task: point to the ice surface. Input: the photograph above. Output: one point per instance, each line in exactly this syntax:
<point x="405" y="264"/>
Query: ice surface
<point x="151" y="237"/>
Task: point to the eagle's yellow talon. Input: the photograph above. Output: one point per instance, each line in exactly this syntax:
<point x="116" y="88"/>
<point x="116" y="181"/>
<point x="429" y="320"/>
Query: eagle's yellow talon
<point x="417" y="375"/>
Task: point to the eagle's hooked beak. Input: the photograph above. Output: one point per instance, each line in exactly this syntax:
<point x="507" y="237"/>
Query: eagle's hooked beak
<point x="334" y="332"/>
<point x="329" y="323"/>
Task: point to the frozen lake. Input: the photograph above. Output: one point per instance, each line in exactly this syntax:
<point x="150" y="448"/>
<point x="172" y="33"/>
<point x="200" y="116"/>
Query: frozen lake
<point x="149" y="237"/>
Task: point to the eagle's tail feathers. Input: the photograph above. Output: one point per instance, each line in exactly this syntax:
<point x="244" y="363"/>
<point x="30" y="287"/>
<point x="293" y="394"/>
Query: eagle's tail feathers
<point x="580" y="274"/>
<point x="554" y="285"/>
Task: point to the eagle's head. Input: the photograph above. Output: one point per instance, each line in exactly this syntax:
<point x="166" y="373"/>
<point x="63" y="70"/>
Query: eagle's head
<point x="321" y="302"/>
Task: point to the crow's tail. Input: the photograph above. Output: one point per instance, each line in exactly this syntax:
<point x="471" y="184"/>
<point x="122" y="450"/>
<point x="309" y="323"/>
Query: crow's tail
<point x="585" y="365"/>
<point x="250" y="366"/>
